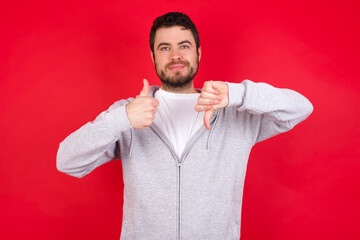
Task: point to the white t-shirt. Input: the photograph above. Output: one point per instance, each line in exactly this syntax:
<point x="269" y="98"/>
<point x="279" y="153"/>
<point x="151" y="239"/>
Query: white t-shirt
<point x="179" y="121"/>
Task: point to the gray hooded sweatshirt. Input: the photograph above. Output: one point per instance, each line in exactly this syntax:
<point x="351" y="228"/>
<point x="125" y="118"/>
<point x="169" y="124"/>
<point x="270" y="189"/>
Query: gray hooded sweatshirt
<point x="197" y="195"/>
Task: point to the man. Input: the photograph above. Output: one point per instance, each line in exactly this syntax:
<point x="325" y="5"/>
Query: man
<point x="183" y="170"/>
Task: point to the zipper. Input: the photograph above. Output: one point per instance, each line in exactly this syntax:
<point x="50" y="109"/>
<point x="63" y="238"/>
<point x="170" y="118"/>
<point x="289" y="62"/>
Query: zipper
<point x="179" y="201"/>
<point x="178" y="162"/>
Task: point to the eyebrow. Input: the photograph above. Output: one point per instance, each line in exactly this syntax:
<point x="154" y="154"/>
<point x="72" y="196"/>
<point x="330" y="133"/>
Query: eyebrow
<point x="162" y="44"/>
<point x="168" y="44"/>
<point x="186" y="41"/>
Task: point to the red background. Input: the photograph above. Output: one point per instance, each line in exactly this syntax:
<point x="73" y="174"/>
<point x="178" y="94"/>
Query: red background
<point x="61" y="64"/>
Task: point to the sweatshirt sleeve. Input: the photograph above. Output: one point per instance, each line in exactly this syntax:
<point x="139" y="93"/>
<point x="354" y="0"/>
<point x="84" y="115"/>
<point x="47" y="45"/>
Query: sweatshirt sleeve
<point x="277" y="109"/>
<point x="94" y="143"/>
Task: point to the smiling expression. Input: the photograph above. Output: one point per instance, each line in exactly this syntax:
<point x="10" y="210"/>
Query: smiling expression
<point x="175" y="57"/>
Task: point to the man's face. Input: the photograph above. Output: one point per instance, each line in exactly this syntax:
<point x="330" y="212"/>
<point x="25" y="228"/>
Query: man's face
<point x="175" y="57"/>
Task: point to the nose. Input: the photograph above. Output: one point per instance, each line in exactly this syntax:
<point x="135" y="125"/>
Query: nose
<point x="175" y="55"/>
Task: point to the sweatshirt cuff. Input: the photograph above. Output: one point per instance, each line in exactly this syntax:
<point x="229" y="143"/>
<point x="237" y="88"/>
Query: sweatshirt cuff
<point x="117" y="120"/>
<point x="236" y="94"/>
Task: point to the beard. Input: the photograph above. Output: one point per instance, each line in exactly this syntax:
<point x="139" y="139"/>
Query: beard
<point x="178" y="81"/>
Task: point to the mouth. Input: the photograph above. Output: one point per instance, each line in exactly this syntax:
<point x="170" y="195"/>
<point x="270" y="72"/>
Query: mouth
<point x="176" y="67"/>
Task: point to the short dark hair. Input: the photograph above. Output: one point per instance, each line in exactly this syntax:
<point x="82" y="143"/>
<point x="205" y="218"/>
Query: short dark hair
<point x="173" y="19"/>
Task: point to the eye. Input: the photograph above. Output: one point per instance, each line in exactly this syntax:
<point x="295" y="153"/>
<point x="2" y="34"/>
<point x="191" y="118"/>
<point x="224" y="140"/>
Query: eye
<point x="184" y="46"/>
<point x="164" y="49"/>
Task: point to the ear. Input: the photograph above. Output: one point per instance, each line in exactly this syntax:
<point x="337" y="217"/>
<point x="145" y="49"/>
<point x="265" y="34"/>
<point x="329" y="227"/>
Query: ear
<point x="199" y="53"/>
<point x="152" y="56"/>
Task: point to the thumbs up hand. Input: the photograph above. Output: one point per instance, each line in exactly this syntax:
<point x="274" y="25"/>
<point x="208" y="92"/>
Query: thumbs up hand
<point x="141" y="111"/>
<point x="214" y="95"/>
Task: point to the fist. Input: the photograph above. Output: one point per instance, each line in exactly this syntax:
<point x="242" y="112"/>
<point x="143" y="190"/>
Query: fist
<point x="214" y="95"/>
<point x="141" y="111"/>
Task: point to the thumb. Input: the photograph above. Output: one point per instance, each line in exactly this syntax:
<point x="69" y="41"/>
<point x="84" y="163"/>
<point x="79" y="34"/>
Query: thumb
<point x="145" y="91"/>
<point x="207" y="117"/>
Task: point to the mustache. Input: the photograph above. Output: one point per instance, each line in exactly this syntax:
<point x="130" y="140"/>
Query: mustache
<point x="184" y="62"/>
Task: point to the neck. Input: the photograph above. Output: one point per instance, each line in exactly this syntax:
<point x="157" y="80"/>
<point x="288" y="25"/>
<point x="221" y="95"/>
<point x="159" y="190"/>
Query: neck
<point x="189" y="88"/>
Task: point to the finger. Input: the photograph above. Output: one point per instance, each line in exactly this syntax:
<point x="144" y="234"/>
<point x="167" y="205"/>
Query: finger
<point x="204" y="101"/>
<point x="208" y="87"/>
<point x="209" y="95"/>
<point x="156" y="102"/>
<point x="207" y="117"/>
<point x="201" y="108"/>
<point x="145" y="91"/>
<point x="154" y="111"/>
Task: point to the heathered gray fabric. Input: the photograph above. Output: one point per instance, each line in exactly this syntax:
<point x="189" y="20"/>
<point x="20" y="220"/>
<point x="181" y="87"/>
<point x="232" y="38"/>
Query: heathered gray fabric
<point x="194" y="196"/>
